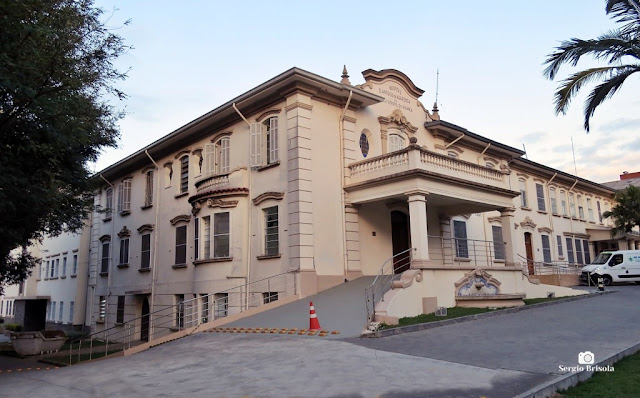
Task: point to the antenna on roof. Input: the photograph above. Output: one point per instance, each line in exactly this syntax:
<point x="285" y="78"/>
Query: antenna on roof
<point x="525" y="151"/>
<point x="437" y="83"/>
<point x="575" y="168"/>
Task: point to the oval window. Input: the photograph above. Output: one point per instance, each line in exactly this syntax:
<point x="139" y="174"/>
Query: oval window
<point x="364" y="144"/>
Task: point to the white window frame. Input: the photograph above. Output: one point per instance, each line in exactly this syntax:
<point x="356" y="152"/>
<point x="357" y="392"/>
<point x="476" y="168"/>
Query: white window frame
<point x="461" y="242"/>
<point x="590" y="210"/>
<point x="546" y="249"/>
<point x="185" y="244"/>
<point x="572" y="205"/>
<point x="148" y="190"/>
<point x="217" y="155"/>
<point x="216" y="234"/>
<point x="499" y="252"/>
<point x="523" y="193"/>
<point x="124" y="251"/>
<point x="64" y="266"/>
<point x="184" y="174"/>
<point x="563" y="203"/>
<point x="269" y="251"/>
<point x="542" y="206"/>
<point x="108" y="203"/>
<point x="124" y="197"/>
<point x="580" y="207"/>
<point x="553" y="200"/>
<point x="396" y="142"/>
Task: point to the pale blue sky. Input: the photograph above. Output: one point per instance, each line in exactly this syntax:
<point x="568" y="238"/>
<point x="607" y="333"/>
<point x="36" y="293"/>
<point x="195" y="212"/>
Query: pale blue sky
<point x="191" y="56"/>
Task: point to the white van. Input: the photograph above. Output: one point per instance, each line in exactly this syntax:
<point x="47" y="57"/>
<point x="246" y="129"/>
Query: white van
<point x="613" y="266"/>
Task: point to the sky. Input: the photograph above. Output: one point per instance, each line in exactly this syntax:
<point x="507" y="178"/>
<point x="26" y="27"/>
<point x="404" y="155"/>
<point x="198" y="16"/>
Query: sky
<point x="189" y="57"/>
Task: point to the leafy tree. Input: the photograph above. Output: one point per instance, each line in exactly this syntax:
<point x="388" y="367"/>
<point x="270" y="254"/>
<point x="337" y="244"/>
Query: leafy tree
<point x="620" y="48"/>
<point x="56" y="79"/>
<point x="626" y="212"/>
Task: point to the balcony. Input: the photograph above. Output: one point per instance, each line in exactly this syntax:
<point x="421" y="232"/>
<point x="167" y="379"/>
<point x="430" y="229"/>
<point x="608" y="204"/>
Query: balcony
<point x="216" y="185"/>
<point x="430" y="164"/>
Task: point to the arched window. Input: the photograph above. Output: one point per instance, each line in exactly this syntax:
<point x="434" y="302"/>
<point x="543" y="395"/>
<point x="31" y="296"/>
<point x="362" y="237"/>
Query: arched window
<point x="396" y="142"/>
<point x="217" y="156"/>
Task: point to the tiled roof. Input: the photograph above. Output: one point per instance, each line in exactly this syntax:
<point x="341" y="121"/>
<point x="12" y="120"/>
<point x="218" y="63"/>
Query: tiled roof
<point x="622" y="184"/>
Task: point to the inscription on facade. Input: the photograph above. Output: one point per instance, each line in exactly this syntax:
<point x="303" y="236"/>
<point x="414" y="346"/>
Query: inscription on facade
<point x="395" y="97"/>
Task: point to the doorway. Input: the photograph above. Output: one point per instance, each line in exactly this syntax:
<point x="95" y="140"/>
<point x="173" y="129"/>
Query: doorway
<point x="528" y="246"/>
<point x="144" y="323"/>
<point x="400" y="240"/>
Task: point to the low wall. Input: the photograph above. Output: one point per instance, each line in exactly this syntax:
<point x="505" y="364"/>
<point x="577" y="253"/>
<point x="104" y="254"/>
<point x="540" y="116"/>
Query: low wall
<point x="559" y="280"/>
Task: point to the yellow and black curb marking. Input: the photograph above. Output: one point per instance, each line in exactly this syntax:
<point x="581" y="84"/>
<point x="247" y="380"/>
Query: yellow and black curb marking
<point x="28" y="369"/>
<point x="308" y="332"/>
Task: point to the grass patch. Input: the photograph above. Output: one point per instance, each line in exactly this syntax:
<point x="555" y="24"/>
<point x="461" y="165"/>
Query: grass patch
<point x="452" y="312"/>
<point x="623" y="382"/>
<point x="542" y="300"/>
<point x="85" y="344"/>
<point x="64" y="359"/>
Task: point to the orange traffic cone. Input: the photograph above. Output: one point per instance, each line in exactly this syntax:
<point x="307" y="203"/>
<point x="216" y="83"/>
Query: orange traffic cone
<point x="314" y="324"/>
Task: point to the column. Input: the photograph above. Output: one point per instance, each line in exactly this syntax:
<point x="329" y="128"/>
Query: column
<point x="418" y="224"/>
<point x="508" y="232"/>
<point x="352" y="241"/>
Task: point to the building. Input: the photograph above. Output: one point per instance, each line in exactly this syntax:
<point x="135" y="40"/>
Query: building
<point x="303" y="183"/>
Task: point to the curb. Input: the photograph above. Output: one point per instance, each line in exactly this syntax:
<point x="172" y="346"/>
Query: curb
<point x="431" y="325"/>
<point x="546" y="390"/>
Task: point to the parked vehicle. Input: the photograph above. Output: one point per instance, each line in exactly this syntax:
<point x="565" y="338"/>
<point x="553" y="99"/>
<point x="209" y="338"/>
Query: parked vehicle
<point x="613" y="266"/>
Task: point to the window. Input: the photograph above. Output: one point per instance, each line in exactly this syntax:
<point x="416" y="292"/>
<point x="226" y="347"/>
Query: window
<point x="553" y="200"/>
<point x="120" y="310"/>
<point x="599" y="211"/>
<point x="540" y="197"/>
<point x="271" y="237"/>
<point x="61" y="314"/>
<point x="196" y="241"/>
<point x="570" y="251"/>
<point x="145" y="254"/>
<point x="396" y="142"/>
<point x="75" y="264"/>
<point x="105" y="258"/>
<point x="269" y="297"/>
<point x="590" y="209"/>
<point x="587" y="256"/>
<point x="64" y="266"/>
<point x="572" y="205"/>
<point x="206" y="227"/>
<point x="184" y="174"/>
<point x="563" y="203"/>
<point x="364" y="144"/>
<point x="267" y="132"/>
<point x="460" y="234"/>
<point x="180" y="311"/>
<point x="580" y="208"/>
<point x="124" y="197"/>
<point x="559" y="241"/>
<point x="71" y="308"/>
<point x="46" y="273"/>
<point x="148" y="188"/>
<point x="221" y="234"/>
<point x="452" y="154"/>
<point x="205" y="307"/>
<point x="102" y="310"/>
<point x="579" y="251"/>
<point x="124" y="251"/>
<point x="109" y="203"/>
<point x="220" y="305"/>
<point x="53" y="311"/>
<point x="217" y="156"/>
<point x="498" y="242"/>
<point x="546" y="248"/>
<point x="523" y="193"/>
<point x="181" y="245"/>
<point x="168" y="174"/>
<point x="57" y="266"/>
<point x="53" y="268"/>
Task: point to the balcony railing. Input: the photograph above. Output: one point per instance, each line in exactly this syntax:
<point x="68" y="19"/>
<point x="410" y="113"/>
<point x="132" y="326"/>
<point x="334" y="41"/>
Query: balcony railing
<point x="416" y="158"/>
<point x="235" y="179"/>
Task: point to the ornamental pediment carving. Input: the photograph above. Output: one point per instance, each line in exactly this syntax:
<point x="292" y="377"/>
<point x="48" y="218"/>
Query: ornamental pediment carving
<point x="397" y="118"/>
<point x="266" y="196"/>
<point x="212" y="203"/>
<point x="528" y="223"/>
<point x="477" y="282"/>
<point x="124" y="232"/>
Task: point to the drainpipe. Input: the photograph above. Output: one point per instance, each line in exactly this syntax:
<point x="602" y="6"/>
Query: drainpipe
<point x="342" y="193"/>
<point x="482" y="153"/>
<point x="553" y="241"/>
<point x="454" y="141"/>
<point x="249" y="213"/>
<point x="113" y="231"/>
<point x="155" y="246"/>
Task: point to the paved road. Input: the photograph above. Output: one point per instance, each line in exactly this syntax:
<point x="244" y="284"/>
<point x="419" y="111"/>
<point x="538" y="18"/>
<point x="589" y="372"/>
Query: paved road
<point x="341" y="308"/>
<point x="495" y="357"/>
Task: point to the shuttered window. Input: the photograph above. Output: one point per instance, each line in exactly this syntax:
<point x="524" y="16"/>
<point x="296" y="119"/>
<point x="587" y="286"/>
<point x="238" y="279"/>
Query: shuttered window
<point x="460" y="234"/>
<point x="256" y="144"/>
<point x="498" y="242"/>
<point x="184" y="174"/>
<point x="181" y="245"/>
<point x="559" y="241"/>
<point x="272" y="140"/>
<point x="540" y="196"/>
<point x="546" y="248"/>
<point x="221" y="235"/>
<point x="579" y="251"/>
<point x="572" y="260"/>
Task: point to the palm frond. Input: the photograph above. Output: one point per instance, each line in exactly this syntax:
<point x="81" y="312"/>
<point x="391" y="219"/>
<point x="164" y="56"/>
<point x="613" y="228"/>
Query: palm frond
<point x="570" y="87"/>
<point x="606" y="90"/>
<point x="625" y="11"/>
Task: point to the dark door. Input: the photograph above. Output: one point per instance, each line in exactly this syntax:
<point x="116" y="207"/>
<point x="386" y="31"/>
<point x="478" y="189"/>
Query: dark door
<point x="400" y="241"/>
<point x="528" y="246"/>
<point x="144" y="323"/>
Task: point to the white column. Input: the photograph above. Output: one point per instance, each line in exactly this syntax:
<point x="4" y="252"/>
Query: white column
<point x="418" y="224"/>
<point x="506" y="218"/>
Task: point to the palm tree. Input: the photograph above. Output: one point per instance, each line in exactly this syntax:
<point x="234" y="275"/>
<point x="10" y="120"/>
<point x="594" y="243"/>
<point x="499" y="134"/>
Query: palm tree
<point x="626" y="212"/>
<point x="616" y="46"/>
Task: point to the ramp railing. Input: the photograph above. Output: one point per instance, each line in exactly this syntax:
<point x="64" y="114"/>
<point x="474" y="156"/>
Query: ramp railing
<point x="184" y="314"/>
<point x="390" y="270"/>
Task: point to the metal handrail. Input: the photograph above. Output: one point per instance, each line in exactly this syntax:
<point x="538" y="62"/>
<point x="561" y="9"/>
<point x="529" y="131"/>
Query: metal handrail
<point x="176" y="317"/>
<point x="382" y="282"/>
<point x="550" y="267"/>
